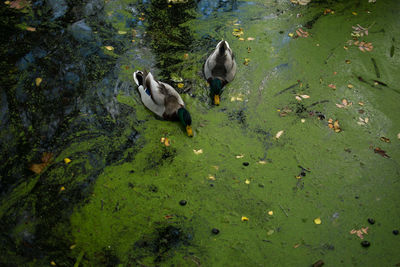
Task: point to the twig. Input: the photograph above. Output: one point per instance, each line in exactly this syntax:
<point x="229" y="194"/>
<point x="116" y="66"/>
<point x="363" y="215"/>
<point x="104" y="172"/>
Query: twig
<point x="283" y="210"/>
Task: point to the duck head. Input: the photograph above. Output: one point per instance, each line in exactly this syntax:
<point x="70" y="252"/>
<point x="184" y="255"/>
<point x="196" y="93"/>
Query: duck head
<point x="186" y="120"/>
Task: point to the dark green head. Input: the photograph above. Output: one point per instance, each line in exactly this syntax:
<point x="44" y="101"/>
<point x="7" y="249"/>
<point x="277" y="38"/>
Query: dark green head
<point x="216" y="90"/>
<point x="186" y="120"/>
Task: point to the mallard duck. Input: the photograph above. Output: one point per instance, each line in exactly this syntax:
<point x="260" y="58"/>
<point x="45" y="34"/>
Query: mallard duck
<point x="219" y="69"/>
<point x="162" y="99"/>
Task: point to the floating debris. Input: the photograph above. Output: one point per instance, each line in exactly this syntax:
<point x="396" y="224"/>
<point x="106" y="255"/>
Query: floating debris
<point x="381" y="152"/>
<point x="344" y="104"/>
<point x="360" y="233"/>
<point x="38" y="81"/>
<point x="197" y="152"/>
<point x="279" y="134"/>
<point x="385" y="139"/>
<point x="317" y="220"/>
<point x="109" y="48"/>
<point x="270" y="213"/>
<point x="244" y="219"/>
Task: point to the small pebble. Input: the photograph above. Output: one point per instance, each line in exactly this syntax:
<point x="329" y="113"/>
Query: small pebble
<point x="395" y="232"/>
<point x="245" y="163"/>
<point x="182" y="202"/>
<point x="215" y="231"/>
<point x="365" y="244"/>
<point x="371" y="221"/>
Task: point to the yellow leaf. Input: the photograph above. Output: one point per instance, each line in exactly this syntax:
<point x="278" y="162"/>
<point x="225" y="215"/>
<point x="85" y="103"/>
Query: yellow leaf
<point x="211" y="177"/>
<point x="278" y="134"/>
<point x="31" y="29"/>
<point x="241" y="39"/>
<point x="250" y="38"/>
<point x="270" y="213"/>
<point x="317" y="220"/>
<point x="290" y="34"/>
<point x="167" y="143"/>
<point x="72" y="246"/>
<point x="67" y="160"/>
<point x="244" y="219"/>
<point x="354" y="13"/>
<point x="121" y="32"/>
<point x="240" y="156"/>
<point x="53" y="263"/>
<point x="62" y="188"/>
<point x="7" y="2"/>
<point x="109" y="47"/>
<point x="350" y="86"/>
<point x="262" y="162"/>
<point x="247" y="181"/>
<point x="180" y="85"/>
<point x="38" y="81"/>
<point x="197" y="152"/>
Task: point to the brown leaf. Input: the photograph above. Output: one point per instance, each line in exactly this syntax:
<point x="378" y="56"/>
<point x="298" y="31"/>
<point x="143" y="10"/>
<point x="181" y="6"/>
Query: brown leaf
<point x="381" y="152"/>
<point x="47" y="157"/>
<point x="384" y="139"/>
<point x="336" y="126"/>
<point x="38" y="168"/>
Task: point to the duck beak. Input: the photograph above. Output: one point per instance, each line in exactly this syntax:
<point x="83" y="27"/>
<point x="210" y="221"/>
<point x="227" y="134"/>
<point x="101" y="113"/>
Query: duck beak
<point x="216" y="100"/>
<point x="189" y="130"/>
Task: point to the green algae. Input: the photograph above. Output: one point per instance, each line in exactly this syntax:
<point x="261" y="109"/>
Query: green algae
<point x="131" y="208"/>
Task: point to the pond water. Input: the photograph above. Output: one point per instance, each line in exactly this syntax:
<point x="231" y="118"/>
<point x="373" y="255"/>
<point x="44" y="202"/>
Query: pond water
<point x="302" y="151"/>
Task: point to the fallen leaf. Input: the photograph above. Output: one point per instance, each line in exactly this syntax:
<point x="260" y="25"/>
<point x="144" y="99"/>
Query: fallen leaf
<point x="305" y="96"/>
<point x="332" y="86"/>
<point x="67" y="160"/>
<point x="384" y="139"/>
<point x="381" y="152"/>
<point x="398" y="136"/>
<point x="186" y="56"/>
<point x="38" y="168"/>
<point x="197" y="152"/>
<point x="298" y="98"/>
<point x="354" y="13"/>
<point x="262" y="162"/>
<point x="361" y="103"/>
<point x="19" y="4"/>
<point x="240" y="156"/>
<point x="110" y="48"/>
<point x="180" y="85"/>
<point x="244" y="219"/>
<point x="350" y="86"/>
<point x="72" y="246"/>
<point x="38" y="81"/>
<point x="347" y="61"/>
<point x="290" y="34"/>
<point x="62" y="188"/>
<point x="317" y="220"/>
<point x="303" y="120"/>
<point x="211" y="177"/>
<point x="336" y="126"/>
<point x="247" y="181"/>
<point x="250" y="39"/>
<point x="270" y="232"/>
<point x="241" y="39"/>
<point x="30" y="29"/>
<point x="278" y="134"/>
<point x="296" y="245"/>
<point x="121" y="32"/>
<point x="246" y="61"/>
<point x="53" y="263"/>
<point x="167" y="142"/>
<point x="270" y="213"/>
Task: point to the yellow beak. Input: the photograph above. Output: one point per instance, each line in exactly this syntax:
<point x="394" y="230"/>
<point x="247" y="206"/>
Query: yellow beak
<point x="189" y="130"/>
<point x="216" y="100"/>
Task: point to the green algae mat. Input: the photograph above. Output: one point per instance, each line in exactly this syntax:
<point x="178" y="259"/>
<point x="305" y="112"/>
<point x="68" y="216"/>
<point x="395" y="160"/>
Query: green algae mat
<point x="298" y="166"/>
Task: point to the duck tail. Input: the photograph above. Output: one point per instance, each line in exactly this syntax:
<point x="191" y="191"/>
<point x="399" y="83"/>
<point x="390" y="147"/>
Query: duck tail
<point x="223" y="46"/>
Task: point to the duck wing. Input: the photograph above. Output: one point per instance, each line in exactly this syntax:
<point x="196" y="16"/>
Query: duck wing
<point x="221" y="63"/>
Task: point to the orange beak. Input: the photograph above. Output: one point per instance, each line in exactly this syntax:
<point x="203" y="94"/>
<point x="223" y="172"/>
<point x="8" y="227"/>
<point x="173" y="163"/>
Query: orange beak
<point x="189" y="130"/>
<point x="216" y="100"/>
